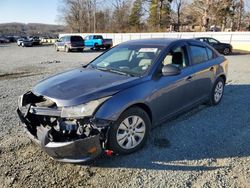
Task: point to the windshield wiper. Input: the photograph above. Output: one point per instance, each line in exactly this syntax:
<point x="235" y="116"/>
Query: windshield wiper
<point x="113" y="70"/>
<point x="119" y="72"/>
<point x="91" y="66"/>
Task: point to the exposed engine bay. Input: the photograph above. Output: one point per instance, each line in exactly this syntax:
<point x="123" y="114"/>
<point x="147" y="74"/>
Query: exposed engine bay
<point x="62" y="138"/>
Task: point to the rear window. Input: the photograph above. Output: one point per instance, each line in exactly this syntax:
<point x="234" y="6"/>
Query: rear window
<point x="198" y="54"/>
<point x="76" y="38"/>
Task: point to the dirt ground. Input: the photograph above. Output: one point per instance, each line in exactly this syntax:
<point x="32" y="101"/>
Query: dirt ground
<point x="206" y="147"/>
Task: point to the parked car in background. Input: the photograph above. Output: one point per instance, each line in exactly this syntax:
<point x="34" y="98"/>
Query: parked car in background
<point x="24" y="42"/>
<point x="70" y="43"/>
<point x="35" y="40"/>
<point x="97" y="42"/>
<point x="223" y="48"/>
<point x="27" y="43"/>
<point x="113" y="102"/>
<point x="11" y="38"/>
<point x="4" y="40"/>
<point x="19" y="41"/>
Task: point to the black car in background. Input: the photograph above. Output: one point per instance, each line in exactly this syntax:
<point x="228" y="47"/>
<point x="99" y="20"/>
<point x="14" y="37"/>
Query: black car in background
<point x="4" y="40"/>
<point x="223" y="48"/>
<point x="12" y="38"/>
<point x="35" y="40"/>
<point x="70" y="43"/>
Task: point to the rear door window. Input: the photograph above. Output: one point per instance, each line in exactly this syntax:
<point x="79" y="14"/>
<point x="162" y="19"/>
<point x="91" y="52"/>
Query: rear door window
<point x="202" y="40"/>
<point x="67" y="38"/>
<point x="198" y="54"/>
<point x="212" y="41"/>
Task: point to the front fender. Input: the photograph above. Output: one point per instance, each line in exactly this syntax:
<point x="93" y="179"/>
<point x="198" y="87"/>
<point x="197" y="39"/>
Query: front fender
<point x="113" y="107"/>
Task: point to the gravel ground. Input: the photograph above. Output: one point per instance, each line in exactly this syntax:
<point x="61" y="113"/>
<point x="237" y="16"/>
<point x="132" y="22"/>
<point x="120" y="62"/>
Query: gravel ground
<point x="206" y="147"/>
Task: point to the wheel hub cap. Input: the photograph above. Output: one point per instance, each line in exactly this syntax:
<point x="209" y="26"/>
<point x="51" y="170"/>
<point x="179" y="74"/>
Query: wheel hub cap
<point x="218" y="91"/>
<point x="131" y="132"/>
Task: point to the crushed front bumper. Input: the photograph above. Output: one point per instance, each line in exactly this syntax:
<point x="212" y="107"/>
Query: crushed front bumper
<point x="74" y="151"/>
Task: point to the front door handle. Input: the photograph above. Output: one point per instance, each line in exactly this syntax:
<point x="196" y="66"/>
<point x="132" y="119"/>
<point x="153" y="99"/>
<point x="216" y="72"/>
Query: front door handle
<point x="189" y="78"/>
<point x="211" y="69"/>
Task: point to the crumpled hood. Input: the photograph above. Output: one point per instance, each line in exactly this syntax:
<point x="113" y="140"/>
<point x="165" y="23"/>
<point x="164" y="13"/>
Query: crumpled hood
<point x="81" y="85"/>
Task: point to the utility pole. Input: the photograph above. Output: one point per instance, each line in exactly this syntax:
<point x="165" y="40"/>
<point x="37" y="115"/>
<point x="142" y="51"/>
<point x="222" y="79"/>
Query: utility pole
<point x="160" y="14"/>
<point x="94" y="16"/>
<point x="232" y="18"/>
<point x="205" y="16"/>
<point x="240" y="16"/>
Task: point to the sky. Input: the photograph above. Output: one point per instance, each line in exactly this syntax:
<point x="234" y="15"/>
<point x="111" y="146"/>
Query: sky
<point x="36" y="11"/>
<point x="29" y="11"/>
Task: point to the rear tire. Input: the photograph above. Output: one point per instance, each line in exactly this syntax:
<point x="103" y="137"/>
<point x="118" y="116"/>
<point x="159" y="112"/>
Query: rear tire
<point x="226" y="51"/>
<point x="217" y="92"/>
<point x="107" y="47"/>
<point x="80" y="50"/>
<point x="96" y="47"/>
<point x="129" y="133"/>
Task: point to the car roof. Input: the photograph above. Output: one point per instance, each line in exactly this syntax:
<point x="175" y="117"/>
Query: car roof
<point x="203" y="38"/>
<point x="156" y="41"/>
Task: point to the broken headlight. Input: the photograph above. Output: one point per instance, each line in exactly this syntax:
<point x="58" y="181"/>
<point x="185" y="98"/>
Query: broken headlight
<point x="82" y="110"/>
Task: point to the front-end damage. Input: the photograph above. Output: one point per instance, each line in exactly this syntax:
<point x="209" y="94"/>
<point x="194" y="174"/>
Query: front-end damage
<point x="74" y="140"/>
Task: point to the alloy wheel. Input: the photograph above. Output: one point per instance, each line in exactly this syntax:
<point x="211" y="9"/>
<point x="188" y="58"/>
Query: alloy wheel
<point x="131" y="132"/>
<point x="218" y="92"/>
<point x="226" y="51"/>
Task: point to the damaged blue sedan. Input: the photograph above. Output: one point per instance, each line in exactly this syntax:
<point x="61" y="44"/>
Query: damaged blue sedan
<point x="113" y="102"/>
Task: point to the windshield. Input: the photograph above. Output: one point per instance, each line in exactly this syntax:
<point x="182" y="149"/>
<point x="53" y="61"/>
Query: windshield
<point x="133" y="60"/>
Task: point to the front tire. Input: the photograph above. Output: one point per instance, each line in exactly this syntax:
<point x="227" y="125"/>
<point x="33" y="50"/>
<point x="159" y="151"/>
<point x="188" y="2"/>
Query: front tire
<point x="56" y="47"/>
<point x="66" y="49"/>
<point x="217" y="92"/>
<point x="129" y="133"/>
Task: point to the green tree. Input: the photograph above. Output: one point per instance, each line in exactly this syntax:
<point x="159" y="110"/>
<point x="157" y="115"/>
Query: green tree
<point x="153" y="14"/>
<point x="164" y="14"/>
<point x="135" y="16"/>
<point x="159" y="14"/>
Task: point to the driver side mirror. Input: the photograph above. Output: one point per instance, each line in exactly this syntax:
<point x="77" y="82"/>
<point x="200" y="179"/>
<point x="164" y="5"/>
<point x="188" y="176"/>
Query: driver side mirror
<point x="170" y="70"/>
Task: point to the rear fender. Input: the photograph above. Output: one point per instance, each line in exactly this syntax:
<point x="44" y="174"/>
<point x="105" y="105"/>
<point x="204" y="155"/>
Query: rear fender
<point x="222" y="70"/>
